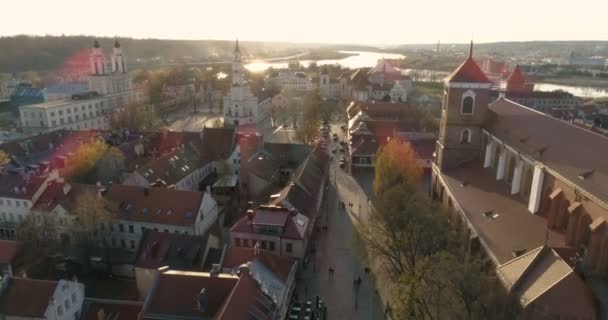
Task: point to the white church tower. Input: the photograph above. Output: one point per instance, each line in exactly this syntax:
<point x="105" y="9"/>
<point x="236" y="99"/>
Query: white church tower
<point x="118" y="60"/>
<point x="97" y="60"/>
<point x="238" y="70"/>
<point x="104" y="81"/>
<point x="240" y="105"/>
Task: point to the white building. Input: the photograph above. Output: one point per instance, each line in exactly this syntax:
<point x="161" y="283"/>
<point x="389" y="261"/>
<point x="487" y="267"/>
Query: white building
<point x="109" y="89"/>
<point x="290" y="80"/>
<point x="133" y="210"/>
<point x="82" y="111"/>
<point x="241" y="106"/>
<point x="106" y="79"/>
<point x="137" y="209"/>
<point x="18" y="193"/>
<point x="29" y="299"/>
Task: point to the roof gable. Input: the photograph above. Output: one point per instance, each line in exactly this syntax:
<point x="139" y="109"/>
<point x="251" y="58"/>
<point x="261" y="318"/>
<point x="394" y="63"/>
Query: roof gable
<point x="468" y="71"/>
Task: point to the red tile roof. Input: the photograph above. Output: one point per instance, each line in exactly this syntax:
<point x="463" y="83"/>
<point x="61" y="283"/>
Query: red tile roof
<point x="237" y="256"/>
<point x="246" y="301"/>
<point x="516" y="77"/>
<point x="468" y="72"/>
<point x="154" y="205"/>
<point x="559" y="145"/>
<point x="54" y="195"/>
<point x="112" y="309"/>
<point x="178" y="251"/>
<point x="17" y="186"/>
<point x="26" y="297"/>
<point x="272" y="216"/>
<point x="176" y="292"/>
<point x="9" y="251"/>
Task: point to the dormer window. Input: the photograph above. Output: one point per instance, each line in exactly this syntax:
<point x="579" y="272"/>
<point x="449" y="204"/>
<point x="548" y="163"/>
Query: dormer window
<point x="468" y="102"/>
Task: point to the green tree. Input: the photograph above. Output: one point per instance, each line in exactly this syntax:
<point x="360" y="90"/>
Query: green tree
<point x="85" y="161"/>
<point x="396" y="163"/>
<point x="37" y="233"/>
<point x="110" y="165"/>
<point x="4" y="158"/>
<point x="90" y="211"/>
<point x="421" y="252"/>
<point x="308" y="131"/>
<point x="137" y="117"/>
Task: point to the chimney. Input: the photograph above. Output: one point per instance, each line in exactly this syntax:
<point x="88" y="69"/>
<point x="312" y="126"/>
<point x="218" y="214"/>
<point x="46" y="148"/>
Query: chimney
<point x="66" y="188"/>
<point x="215" y="269"/>
<point x="256" y="249"/>
<point x="250" y="215"/>
<point x="202" y="300"/>
<point x="101" y="314"/>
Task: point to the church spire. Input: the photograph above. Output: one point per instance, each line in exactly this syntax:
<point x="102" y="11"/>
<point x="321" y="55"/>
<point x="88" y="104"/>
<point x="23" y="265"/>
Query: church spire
<point x="471" y="50"/>
<point x="236" y="47"/>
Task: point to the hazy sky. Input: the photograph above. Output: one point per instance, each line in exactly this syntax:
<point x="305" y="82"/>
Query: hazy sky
<point x="342" y="21"/>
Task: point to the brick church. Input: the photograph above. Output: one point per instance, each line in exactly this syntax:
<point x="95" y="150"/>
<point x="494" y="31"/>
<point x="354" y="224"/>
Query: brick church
<point x="529" y="190"/>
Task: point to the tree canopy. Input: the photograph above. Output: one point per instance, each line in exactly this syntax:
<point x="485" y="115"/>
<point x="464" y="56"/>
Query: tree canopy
<point x="396" y="163"/>
<point x="137" y="117"/>
<point x="421" y="252"/>
<point x="97" y="162"/>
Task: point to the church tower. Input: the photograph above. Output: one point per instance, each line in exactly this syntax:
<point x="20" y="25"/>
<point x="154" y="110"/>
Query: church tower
<point x="238" y="70"/>
<point x="97" y="60"/>
<point x="119" y="64"/>
<point x="464" y="111"/>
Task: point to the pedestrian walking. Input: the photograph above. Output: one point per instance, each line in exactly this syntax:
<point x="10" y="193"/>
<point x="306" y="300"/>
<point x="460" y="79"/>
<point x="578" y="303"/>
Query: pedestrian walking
<point x="366" y="270"/>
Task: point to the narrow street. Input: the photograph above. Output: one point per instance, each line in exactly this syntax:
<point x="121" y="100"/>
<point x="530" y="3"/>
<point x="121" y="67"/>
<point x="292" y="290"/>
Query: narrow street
<point x="334" y="249"/>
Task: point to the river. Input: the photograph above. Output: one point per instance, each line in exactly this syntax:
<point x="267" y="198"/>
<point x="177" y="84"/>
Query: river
<point x="363" y="59"/>
<point x="358" y="59"/>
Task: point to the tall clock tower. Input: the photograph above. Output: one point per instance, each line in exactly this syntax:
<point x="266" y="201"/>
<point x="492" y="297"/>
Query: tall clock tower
<point x="464" y="111"/>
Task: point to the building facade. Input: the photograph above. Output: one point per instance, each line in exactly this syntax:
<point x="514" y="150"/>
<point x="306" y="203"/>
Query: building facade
<point x="110" y="89"/>
<point x="241" y="106"/>
<point x="278" y="230"/>
<point x="517" y="180"/>
<point x="53" y="300"/>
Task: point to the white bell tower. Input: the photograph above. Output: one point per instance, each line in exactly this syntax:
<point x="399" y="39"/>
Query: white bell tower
<point x="119" y="63"/>
<point x="238" y="76"/>
<point x="97" y="60"/>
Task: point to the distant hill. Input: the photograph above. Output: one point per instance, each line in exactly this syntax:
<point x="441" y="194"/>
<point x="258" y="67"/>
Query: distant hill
<point x="37" y="53"/>
<point x="554" y="49"/>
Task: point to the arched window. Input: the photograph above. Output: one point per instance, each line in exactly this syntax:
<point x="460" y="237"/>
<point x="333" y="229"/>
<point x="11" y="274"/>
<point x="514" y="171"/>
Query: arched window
<point x="467" y="105"/>
<point x="465" y="136"/>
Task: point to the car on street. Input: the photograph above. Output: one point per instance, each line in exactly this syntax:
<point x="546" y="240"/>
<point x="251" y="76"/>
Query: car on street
<point x="342" y="143"/>
<point x="342" y="164"/>
<point x="342" y="149"/>
<point x="333" y="150"/>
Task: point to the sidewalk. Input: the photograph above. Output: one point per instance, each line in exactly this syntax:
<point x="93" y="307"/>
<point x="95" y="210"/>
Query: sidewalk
<point x="334" y="250"/>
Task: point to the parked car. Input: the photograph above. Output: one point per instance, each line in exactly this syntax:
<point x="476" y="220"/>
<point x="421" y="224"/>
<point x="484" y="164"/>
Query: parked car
<point x="342" y="164"/>
<point x="333" y="150"/>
